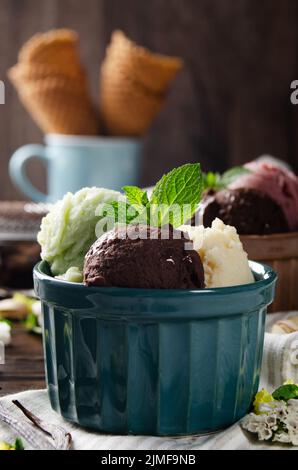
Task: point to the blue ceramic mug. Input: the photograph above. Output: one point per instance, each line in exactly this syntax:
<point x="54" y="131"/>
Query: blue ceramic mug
<point x="76" y="161"/>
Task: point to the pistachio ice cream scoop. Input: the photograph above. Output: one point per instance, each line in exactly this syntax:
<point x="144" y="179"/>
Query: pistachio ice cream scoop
<point x="68" y="231"/>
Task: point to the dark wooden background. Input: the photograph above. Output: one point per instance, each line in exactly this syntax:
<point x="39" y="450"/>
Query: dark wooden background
<point x="230" y="104"/>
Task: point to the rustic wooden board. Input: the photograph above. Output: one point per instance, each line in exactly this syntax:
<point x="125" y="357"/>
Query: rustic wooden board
<point x="24" y="367"/>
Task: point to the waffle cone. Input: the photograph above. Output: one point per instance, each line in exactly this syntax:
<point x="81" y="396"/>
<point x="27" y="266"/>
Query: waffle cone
<point x="45" y="76"/>
<point x="125" y="109"/>
<point x="52" y="84"/>
<point x="153" y="71"/>
<point x="58" y="107"/>
<point x="31" y="72"/>
<point x="133" y="85"/>
<point x="52" y="53"/>
<point x="43" y="46"/>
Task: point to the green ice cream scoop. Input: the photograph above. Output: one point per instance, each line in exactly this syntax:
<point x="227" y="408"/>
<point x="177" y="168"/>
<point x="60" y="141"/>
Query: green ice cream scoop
<point x="68" y="231"/>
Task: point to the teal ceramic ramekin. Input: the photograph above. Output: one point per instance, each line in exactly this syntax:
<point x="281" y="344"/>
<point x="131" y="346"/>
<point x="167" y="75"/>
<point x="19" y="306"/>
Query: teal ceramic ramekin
<point x="159" y="362"/>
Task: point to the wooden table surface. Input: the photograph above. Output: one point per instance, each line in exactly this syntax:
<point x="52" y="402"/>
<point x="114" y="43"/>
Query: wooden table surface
<point x="24" y="363"/>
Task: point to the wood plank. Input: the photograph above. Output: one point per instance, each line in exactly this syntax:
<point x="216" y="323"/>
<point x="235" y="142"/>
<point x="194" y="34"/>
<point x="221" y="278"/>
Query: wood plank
<point x="24" y="363"/>
<point x="8" y="388"/>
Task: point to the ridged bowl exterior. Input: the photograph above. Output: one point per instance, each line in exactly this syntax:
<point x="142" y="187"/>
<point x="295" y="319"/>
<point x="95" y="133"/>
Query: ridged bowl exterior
<point x="151" y="361"/>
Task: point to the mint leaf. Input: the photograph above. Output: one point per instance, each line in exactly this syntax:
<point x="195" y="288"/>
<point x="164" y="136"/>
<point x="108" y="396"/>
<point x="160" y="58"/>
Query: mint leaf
<point x="286" y="392"/>
<point x="135" y="195"/>
<point x="217" y="181"/>
<point x="211" y="180"/>
<point x="120" y="212"/>
<point x="231" y="175"/>
<point x="145" y="200"/>
<point x="174" y="200"/>
<point x="139" y="200"/>
<point x="176" y="196"/>
<point x="123" y="213"/>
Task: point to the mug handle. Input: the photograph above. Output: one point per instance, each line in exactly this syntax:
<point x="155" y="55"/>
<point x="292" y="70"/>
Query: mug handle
<point x="17" y="170"/>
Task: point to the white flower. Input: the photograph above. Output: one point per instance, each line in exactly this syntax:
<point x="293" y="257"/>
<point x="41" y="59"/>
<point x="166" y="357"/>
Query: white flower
<point x="292" y="427"/>
<point x="271" y="422"/>
<point x="292" y="421"/>
<point x="5" y="333"/>
<point x="293" y="405"/>
<point x="282" y="437"/>
<point x="252" y="421"/>
<point x="264" y="433"/>
<point x="293" y="437"/>
<point x="281" y="411"/>
<point x="246" y="420"/>
<point x="251" y="426"/>
<point x="269" y="407"/>
<point x="277" y="413"/>
<point x="257" y="424"/>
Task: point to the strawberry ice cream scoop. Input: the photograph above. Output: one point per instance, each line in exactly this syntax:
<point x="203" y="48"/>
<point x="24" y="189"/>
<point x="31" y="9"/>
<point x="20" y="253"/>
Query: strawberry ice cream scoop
<point x="277" y="182"/>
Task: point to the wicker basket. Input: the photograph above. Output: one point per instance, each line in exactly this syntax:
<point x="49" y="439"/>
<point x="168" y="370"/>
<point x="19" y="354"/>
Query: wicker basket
<point x="281" y="252"/>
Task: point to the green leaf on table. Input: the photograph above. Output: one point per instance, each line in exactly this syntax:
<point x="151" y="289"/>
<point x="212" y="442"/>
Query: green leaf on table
<point x="18" y="445"/>
<point x="286" y="392"/>
<point x="31" y="321"/>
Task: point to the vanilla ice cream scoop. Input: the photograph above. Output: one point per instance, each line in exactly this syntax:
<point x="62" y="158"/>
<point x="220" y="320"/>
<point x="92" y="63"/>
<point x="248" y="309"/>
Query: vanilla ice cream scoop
<point x="224" y="259"/>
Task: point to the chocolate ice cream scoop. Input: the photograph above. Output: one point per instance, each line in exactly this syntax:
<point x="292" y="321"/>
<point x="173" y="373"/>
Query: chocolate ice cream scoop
<point x="249" y="210"/>
<point x="144" y="257"/>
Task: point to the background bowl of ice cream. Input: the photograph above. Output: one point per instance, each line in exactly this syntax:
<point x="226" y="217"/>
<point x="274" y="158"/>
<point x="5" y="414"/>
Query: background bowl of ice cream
<point x="281" y="252"/>
<point x="263" y="205"/>
<point x="153" y="361"/>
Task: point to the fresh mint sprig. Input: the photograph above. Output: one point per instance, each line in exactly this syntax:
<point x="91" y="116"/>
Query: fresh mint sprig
<point x="136" y="196"/>
<point x="219" y="181"/>
<point x="181" y="188"/>
<point x="174" y="199"/>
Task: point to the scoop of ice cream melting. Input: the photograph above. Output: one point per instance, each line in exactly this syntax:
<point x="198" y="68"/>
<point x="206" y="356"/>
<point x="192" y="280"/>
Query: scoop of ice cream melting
<point x="224" y="259"/>
<point x="144" y="257"/>
<point x="249" y="210"/>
